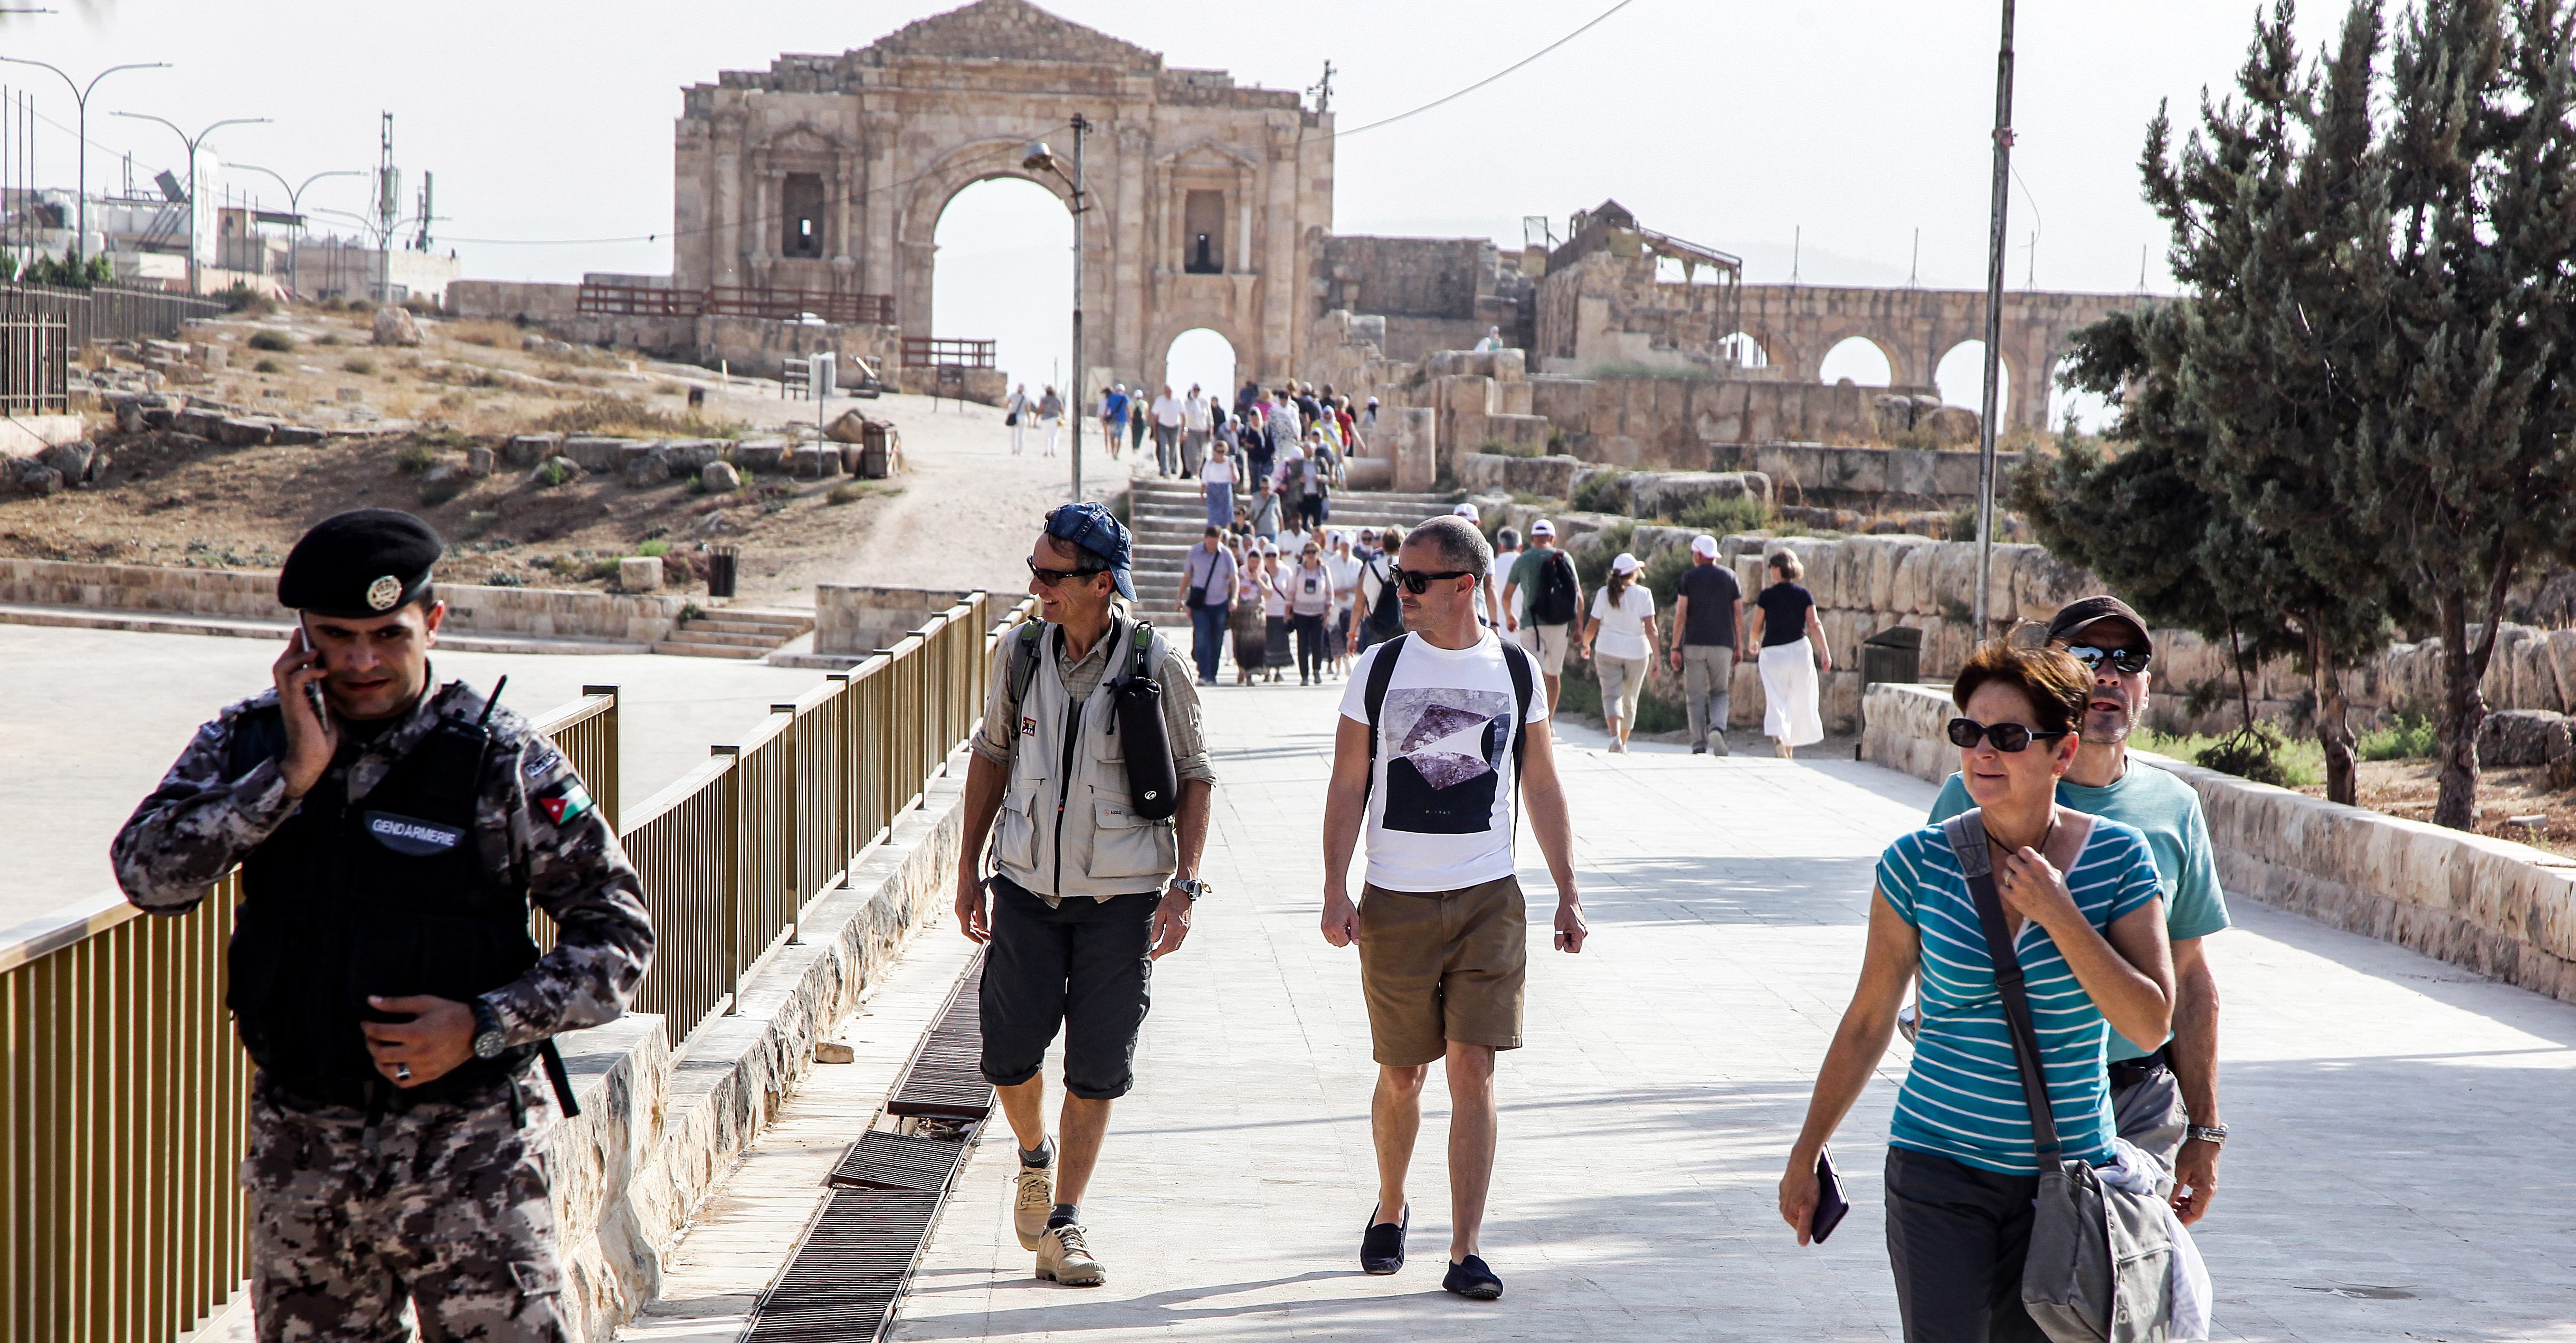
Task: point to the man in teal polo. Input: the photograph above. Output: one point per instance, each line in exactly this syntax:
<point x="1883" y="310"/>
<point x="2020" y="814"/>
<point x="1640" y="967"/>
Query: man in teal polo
<point x="2165" y="1099"/>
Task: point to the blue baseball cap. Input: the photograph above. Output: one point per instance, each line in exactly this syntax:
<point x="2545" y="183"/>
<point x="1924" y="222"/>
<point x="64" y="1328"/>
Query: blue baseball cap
<point x="1095" y="531"/>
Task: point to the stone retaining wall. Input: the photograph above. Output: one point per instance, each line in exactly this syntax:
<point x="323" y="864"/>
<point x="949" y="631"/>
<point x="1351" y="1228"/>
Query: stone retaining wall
<point x="546" y="613"/>
<point x="2491" y="905"/>
<point x="855" y="620"/>
<point x="659" y="1129"/>
<point x="1866" y="479"/>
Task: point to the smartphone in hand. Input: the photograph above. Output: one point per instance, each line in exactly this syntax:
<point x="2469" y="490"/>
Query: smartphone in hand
<point x="313" y="688"/>
<point x="1830" y="1205"/>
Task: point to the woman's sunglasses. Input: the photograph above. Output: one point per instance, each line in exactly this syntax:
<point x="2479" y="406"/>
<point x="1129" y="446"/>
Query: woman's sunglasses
<point x="2126" y="661"/>
<point x="2010" y="738"/>
<point x="1417" y="584"/>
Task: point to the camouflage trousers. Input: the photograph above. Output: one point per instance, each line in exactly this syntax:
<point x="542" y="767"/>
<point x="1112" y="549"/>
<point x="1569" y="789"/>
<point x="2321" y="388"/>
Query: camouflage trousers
<point x="444" y="1205"/>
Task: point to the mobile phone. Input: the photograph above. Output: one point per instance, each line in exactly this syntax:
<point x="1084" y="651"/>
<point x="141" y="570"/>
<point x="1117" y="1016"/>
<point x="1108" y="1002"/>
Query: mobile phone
<point x="312" y="689"/>
<point x="1830" y="1206"/>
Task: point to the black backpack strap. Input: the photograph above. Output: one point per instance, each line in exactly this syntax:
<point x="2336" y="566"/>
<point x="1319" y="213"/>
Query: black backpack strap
<point x="1024" y="658"/>
<point x="1381" y="674"/>
<point x="1524" y="688"/>
<point x="1967" y="835"/>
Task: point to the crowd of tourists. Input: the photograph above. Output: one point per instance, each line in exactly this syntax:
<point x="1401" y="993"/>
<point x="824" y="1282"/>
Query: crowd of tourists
<point x="2057" y="1130"/>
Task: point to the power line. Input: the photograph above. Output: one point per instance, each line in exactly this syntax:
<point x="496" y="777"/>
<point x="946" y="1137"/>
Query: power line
<point x="1389" y="121"/>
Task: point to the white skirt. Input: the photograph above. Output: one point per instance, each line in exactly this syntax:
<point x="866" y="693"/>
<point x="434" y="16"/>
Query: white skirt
<point x="1789" y="694"/>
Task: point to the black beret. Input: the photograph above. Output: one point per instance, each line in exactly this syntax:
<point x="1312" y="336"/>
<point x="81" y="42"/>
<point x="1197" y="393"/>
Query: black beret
<point x="359" y="565"/>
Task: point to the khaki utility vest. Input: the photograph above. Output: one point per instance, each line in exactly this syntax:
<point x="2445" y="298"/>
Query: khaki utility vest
<point x="1066" y="826"/>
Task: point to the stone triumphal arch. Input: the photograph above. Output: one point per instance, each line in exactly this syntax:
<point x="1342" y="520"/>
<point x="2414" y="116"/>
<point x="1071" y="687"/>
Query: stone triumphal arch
<point x="826" y="175"/>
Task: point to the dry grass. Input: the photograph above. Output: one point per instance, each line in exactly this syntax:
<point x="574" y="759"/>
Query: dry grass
<point x="617" y="415"/>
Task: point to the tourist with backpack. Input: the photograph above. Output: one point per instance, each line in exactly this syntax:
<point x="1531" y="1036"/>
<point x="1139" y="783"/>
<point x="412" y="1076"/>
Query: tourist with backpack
<point x="1438" y="742"/>
<point x="1091" y="762"/>
<point x="1555" y="598"/>
<point x="1381" y="617"/>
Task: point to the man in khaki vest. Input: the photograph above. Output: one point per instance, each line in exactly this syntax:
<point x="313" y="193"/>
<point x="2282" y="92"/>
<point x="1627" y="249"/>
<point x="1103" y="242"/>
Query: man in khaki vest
<point x="1086" y="892"/>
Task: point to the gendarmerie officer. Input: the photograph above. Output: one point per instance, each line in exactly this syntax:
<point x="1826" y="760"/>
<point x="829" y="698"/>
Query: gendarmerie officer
<point x="382" y="975"/>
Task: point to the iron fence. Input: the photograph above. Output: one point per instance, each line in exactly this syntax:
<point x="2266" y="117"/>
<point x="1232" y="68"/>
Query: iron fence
<point x="124" y="1093"/>
<point x="35" y="366"/>
<point x="946" y="352"/>
<point x="785" y="305"/>
<point x="106" y="312"/>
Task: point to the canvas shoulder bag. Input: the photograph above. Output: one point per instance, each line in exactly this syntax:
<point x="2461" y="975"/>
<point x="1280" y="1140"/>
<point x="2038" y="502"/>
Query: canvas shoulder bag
<point x="2100" y="1268"/>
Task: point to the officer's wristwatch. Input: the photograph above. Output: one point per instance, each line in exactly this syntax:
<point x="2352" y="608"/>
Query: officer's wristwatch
<point x="2213" y="1134"/>
<point x="1192" y="887"/>
<point x="489" y="1040"/>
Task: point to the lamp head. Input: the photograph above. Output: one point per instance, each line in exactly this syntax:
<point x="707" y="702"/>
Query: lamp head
<point x="1040" y="159"/>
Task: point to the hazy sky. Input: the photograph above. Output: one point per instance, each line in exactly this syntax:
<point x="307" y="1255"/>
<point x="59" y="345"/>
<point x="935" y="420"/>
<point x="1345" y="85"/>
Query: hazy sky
<point x="1844" y="126"/>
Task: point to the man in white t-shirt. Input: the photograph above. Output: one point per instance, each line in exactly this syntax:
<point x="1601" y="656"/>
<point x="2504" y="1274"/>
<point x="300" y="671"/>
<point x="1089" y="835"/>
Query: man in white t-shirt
<point x="1430" y="755"/>
<point x="1168" y="416"/>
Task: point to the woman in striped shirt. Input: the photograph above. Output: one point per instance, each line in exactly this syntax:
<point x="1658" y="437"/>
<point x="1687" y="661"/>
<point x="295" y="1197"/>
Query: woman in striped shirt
<point x="2082" y="904"/>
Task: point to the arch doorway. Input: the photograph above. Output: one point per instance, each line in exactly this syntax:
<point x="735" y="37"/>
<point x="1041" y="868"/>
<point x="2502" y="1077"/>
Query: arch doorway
<point x="1003" y="271"/>
<point x="1961" y="376"/>
<point x="1200" y="355"/>
<point x="1859" y="359"/>
<point x="1744" y="351"/>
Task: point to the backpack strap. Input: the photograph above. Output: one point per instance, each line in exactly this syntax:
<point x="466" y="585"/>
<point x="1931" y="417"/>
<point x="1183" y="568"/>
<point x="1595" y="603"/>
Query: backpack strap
<point x="1381" y="674"/>
<point x="1024" y="658"/>
<point x="1524" y="687"/>
<point x="1967" y="835"/>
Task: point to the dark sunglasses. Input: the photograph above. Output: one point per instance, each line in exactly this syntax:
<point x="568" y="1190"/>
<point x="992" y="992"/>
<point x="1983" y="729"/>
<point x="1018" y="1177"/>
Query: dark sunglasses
<point x="2126" y="661"/>
<point x="1417" y="584"/>
<point x="1051" y="577"/>
<point x="2009" y="738"/>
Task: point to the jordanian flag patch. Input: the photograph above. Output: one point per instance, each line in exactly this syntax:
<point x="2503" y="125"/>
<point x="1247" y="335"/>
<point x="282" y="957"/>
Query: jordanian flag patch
<point x="564" y="802"/>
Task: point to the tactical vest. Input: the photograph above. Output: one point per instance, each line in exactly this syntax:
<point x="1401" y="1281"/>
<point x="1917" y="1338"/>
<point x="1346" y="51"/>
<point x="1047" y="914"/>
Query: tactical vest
<point x="388" y="897"/>
<point x="1067" y="826"/>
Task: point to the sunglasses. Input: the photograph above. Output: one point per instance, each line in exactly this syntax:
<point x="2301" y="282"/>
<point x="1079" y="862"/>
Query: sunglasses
<point x="1417" y="584"/>
<point x="2009" y="738"/>
<point x="2126" y="661"/>
<point x="1051" y="577"/>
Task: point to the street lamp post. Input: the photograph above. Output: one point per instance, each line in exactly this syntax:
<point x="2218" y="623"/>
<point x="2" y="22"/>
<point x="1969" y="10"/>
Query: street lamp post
<point x="295" y="206"/>
<point x="1994" y="318"/>
<point x="80" y="98"/>
<point x="192" y="141"/>
<point x="1042" y="159"/>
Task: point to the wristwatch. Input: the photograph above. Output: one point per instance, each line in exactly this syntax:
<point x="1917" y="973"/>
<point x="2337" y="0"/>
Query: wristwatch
<point x="2213" y="1134"/>
<point x="489" y="1040"/>
<point x="1191" y="887"/>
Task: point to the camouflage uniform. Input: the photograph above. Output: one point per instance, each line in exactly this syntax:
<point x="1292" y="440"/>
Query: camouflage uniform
<point x="440" y="1201"/>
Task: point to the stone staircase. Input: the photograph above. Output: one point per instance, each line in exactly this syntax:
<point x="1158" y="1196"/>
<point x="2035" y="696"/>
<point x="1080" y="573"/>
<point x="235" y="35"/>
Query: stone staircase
<point x="735" y="632"/>
<point x="1167" y="517"/>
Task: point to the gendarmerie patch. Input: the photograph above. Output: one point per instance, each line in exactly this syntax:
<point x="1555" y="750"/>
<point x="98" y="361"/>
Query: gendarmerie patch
<point x="412" y="836"/>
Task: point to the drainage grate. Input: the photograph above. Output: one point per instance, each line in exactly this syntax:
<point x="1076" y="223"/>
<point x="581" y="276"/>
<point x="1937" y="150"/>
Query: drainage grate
<point x="880" y="1160"/>
<point x="846" y="1277"/>
<point x="946" y="1077"/>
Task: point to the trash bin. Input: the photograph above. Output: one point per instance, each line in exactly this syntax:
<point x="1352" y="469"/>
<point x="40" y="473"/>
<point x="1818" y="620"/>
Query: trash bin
<point x="721" y="562"/>
<point x="1894" y="654"/>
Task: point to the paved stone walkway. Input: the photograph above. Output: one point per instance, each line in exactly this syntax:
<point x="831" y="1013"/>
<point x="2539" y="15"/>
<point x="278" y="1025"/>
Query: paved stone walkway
<point x="2400" y="1169"/>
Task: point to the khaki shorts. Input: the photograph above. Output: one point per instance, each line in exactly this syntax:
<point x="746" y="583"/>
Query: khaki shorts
<point x="1439" y="966"/>
<point x="1548" y="642"/>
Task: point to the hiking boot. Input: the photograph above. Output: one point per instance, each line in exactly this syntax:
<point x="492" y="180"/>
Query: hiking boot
<point x="1470" y="1279"/>
<point x="1063" y="1257"/>
<point x="1036" y="1200"/>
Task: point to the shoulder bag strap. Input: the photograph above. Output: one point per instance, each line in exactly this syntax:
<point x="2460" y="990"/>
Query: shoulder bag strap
<point x="1524" y="688"/>
<point x="1967" y="835"/>
<point x="1381" y="673"/>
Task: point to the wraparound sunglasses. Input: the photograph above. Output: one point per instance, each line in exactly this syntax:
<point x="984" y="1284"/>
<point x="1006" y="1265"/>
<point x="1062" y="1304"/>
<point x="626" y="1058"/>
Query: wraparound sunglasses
<point x="2010" y="738"/>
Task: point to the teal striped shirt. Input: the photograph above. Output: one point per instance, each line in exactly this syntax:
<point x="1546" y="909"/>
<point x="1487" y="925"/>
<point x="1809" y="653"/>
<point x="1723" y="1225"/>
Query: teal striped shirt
<point x="1963" y="1098"/>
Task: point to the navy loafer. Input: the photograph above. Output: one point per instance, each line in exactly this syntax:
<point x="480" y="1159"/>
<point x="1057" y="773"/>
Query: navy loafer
<point x="1473" y="1280"/>
<point x="1382" y="1245"/>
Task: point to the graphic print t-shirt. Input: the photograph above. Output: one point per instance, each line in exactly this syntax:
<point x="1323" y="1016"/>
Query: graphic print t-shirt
<point x="1441" y="809"/>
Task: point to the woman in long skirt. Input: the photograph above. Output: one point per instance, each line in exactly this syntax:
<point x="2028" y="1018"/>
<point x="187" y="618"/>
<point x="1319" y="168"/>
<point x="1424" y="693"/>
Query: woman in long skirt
<point x="1217" y="479"/>
<point x="1783" y="625"/>
<point x="1247" y="623"/>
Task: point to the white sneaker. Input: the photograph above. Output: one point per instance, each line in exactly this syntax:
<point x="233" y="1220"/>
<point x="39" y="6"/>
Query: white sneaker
<point x="1064" y="1257"/>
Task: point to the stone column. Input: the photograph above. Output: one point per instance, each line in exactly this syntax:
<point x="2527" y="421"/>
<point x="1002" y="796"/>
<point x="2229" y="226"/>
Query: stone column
<point x="724" y="209"/>
<point x="877" y="257"/>
<point x="1279" y="250"/>
<point x="1128" y="264"/>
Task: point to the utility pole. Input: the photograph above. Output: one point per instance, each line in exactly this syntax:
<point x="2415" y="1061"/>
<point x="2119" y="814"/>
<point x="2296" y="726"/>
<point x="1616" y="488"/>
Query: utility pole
<point x="426" y="183"/>
<point x="2003" y="134"/>
<point x="80" y="98"/>
<point x="1914" y="268"/>
<point x="388" y="204"/>
<point x="192" y="142"/>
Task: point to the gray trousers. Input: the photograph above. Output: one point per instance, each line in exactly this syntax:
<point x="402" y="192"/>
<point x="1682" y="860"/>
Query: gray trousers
<point x="1708" y="676"/>
<point x="2151" y="1114"/>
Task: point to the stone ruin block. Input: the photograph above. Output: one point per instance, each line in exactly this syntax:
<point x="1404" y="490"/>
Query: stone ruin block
<point x="639" y="573"/>
<point x="524" y="450"/>
<point x="643" y="464"/>
<point x="761" y="454"/>
<point x="244" y="431"/>
<point x="301" y="436"/>
<point x="815" y="461"/>
<point x="688" y="456"/>
<point x="596" y="454"/>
